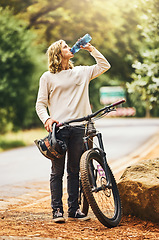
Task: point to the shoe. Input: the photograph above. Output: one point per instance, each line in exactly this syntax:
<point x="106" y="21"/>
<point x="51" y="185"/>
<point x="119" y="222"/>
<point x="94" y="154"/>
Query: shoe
<point x="58" y="216"/>
<point x="78" y="215"/>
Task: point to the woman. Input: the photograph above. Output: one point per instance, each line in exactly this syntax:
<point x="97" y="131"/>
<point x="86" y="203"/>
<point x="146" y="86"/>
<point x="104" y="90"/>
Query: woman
<point x="64" y="90"/>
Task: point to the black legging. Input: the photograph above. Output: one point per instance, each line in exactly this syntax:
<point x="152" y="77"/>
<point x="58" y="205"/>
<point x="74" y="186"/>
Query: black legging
<point x="73" y="136"/>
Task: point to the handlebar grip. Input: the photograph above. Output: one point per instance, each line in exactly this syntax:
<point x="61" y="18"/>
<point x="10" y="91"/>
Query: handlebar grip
<point x="117" y="103"/>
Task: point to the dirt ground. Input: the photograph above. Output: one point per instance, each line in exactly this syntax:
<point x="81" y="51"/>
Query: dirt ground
<point x="29" y="216"/>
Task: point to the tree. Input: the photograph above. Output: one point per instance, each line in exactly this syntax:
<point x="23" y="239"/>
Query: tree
<point x="146" y="76"/>
<point x="118" y="30"/>
<point x="17" y="66"/>
<point x="16" y="5"/>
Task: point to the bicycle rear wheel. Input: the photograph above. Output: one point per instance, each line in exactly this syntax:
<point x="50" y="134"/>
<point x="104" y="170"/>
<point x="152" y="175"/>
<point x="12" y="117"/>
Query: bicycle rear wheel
<point x="104" y="202"/>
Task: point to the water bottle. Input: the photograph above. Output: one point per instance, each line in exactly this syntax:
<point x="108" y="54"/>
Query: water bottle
<point x="83" y="41"/>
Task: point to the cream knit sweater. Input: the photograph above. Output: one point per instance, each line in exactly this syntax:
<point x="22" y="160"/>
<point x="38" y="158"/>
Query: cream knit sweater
<point x="66" y="93"/>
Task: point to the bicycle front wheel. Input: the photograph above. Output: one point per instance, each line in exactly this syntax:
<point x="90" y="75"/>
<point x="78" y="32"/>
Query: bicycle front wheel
<point x="105" y="202"/>
<point x="84" y="204"/>
<point x="82" y="201"/>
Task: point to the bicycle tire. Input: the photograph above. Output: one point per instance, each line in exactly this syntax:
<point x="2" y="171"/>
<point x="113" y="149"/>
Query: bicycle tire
<point x="106" y="203"/>
<point x="84" y="204"/>
<point x="82" y="201"/>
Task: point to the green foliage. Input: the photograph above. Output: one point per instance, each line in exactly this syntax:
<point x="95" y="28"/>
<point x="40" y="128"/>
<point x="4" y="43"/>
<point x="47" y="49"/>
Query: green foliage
<point x="7" y="144"/>
<point x="146" y="75"/>
<point x="17" y="65"/>
<point x="16" y="5"/>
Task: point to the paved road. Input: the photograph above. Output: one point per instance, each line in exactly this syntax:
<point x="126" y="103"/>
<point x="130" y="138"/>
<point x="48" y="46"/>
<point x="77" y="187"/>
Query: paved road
<point x="121" y="137"/>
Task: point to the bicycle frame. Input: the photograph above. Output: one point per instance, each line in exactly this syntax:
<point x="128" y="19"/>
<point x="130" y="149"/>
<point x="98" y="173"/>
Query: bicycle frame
<point x="91" y="133"/>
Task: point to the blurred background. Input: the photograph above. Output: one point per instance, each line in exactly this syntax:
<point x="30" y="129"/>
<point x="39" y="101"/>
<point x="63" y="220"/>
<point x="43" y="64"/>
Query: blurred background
<point x="125" y="32"/>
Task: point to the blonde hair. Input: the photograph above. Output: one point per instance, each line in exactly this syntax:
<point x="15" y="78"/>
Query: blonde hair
<point x="55" y="58"/>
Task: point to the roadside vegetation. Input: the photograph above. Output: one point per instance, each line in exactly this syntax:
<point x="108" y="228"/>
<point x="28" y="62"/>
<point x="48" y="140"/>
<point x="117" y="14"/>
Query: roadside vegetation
<point x="21" y="138"/>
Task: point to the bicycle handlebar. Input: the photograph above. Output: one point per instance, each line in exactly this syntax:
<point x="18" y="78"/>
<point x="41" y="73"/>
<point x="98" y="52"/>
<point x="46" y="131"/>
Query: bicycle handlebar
<point x="117" y="103"/>
<point x="88" y="117"/>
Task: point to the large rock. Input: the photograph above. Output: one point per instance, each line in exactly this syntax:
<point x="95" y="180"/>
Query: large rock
<point x="139" y="190"/>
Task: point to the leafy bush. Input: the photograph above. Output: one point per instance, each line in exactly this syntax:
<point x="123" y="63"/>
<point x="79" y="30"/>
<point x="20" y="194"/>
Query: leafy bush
<point x="18" y="68"/>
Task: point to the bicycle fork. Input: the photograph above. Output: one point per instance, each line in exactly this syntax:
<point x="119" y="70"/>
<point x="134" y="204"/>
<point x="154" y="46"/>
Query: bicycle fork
<point x="99" y="136"/>
<point x="103" y="154"/>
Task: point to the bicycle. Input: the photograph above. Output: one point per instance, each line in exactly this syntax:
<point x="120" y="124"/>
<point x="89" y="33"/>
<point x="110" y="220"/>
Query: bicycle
<point x="98" y="187"/>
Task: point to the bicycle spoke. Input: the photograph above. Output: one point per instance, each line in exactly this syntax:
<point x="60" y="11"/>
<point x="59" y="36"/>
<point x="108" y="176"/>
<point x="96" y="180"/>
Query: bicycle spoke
<point x="104" y="201"/>
<point x="104" y="198"/>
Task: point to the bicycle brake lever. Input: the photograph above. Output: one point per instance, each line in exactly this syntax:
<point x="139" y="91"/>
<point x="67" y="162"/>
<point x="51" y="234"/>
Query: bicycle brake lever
<point x="108" y="110"/>
<point x="113" y="109"/>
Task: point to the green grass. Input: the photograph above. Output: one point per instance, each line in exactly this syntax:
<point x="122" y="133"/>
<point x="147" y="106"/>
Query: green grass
<point x="5" y="144"/>
<point x="21" y="138"/>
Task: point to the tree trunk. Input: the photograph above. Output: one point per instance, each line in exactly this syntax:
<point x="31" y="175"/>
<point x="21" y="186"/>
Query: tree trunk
<point x="148" y="115"/>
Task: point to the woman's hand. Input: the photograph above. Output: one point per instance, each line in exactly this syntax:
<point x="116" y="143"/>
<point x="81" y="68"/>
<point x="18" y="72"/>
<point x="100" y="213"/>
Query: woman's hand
<point x="87" y="47"/>
<point x="48" y="124"/>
